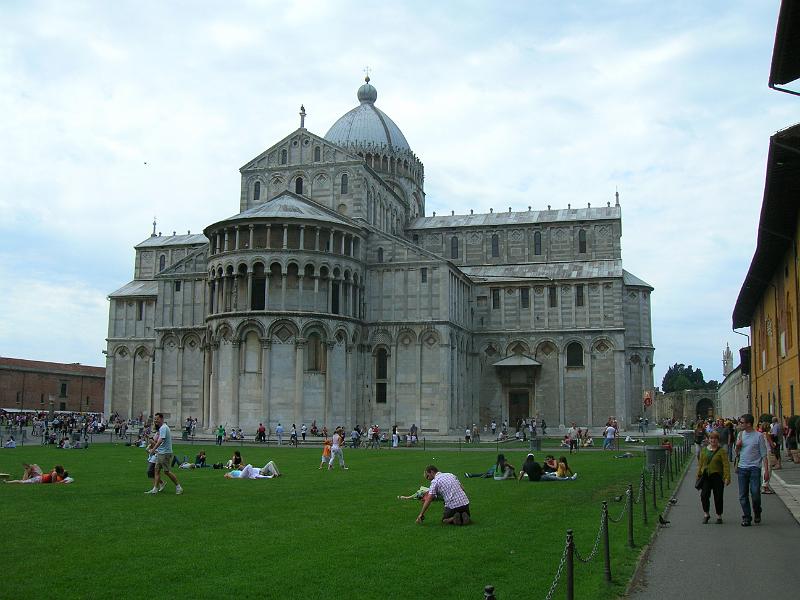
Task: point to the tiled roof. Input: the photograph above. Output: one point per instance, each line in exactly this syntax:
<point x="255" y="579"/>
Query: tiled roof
<point x="631" y="279"/>
<point x="590" y="269"/>
<point x="47" y="367"/>
<point x="137" y="287"/>
<point x="173" y="240"/>
<point x="527" y="217"/>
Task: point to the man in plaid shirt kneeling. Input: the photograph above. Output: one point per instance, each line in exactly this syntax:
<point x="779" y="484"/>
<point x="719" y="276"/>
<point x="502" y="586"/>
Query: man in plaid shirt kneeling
<point x="448" y="487"/>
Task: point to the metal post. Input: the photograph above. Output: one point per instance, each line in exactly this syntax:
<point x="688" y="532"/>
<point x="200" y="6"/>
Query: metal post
<point x="570" y="566"/>
<point x="606" y="546"/>
<point x="668" y="465"/>
<point x="630" y="515"/>
<point x="644" y="500"/>
<point x="488" y="593"/>
<point x="424" y="443"/>
<point x="653" y="482"/>
<point x="660" y="479"/>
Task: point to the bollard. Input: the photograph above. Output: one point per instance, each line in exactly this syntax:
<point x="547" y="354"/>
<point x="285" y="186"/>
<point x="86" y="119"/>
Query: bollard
<point x="653" y="481"/>
<point x="630" y="515"/>
<point x="459" y="444"/>
<point x="660" y="479"/>
<point x="570" y="566"/>
<point x="488" y="593"/>
<point x="424" y="443"/>
<point x="644" y="500"/>
<point x="606" y="545"/>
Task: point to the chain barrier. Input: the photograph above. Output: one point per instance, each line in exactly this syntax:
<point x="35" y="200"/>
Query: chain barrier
<point x="641" y="491"/>
<point x="557" y="578"/>
<point x="593" y="553"/>
<point x="622" y="514"/>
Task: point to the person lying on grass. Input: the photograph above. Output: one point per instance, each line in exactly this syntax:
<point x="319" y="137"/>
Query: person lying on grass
<point x="268" y="471"/>
<point x="33" y="474"/>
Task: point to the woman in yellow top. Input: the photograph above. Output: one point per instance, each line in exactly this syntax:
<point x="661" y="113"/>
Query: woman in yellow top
<point x="713" y="461"/>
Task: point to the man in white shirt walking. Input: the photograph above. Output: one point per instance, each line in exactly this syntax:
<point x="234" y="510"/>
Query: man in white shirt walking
<point x="162" y="447"/>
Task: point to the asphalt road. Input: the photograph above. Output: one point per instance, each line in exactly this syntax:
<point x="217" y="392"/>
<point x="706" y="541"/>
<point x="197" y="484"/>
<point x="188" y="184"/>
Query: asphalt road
<point x="718" y="561"/>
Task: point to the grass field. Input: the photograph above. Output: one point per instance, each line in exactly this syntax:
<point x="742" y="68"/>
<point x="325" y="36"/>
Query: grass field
<point x="309" y="534"/>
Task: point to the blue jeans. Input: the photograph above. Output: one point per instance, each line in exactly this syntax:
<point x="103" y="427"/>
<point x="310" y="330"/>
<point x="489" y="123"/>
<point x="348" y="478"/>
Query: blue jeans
<point x="749" y="484"/>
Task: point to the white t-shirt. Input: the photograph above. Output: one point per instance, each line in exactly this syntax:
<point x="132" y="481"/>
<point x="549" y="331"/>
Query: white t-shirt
<point x="610" y="433"/>
<point x="572" y="433"/>
<point x="337" y="440"/>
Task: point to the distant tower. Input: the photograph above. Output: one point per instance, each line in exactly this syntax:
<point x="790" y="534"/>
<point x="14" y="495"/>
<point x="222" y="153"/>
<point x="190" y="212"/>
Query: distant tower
<point x="727" y="361"/>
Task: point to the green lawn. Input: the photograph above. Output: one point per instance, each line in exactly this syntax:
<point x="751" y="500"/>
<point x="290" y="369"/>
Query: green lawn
<point x="309" y="534"/>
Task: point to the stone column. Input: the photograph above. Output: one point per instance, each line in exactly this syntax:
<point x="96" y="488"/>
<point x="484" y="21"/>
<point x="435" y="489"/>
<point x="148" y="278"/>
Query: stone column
<point x="235" y="292"/>
<point x="266" y="289"/>
<point x="330" y="242"/>
<point x="213" y="409"/>
<point x="249" y="289"/>
<point x="265" y="379"/>
<point x="225" y="244"/>
<point x="285" y="236"/>
<point x="269" y="231"/>
<point x="315" y="300"/>
<point x="299" y="364"/>
<point x="179" y="392"/>
<point x="302" y="236"/>
<point x="108" y="395"/>
<point x="150" y="366"/>
<point x="236" y="371"/>
<point x="392" y="382"/>
<point x="236" y="230"/>
<point x="130" y="387"/>
<point x="206" y="391"/>
<point x="329" y="307"/>
<point x="419" y="385"/>
<point x="225" y="285"/>
<point x="589" y="361"/>
<point x="328" y="404"/>
<point x="299" y="291"/>
<point x="251" y="227"/>
<point x="283" y="291"/>
<point x="348" y="385"/>
<point x="562" y="360"/>
<point x="316" y="238"/>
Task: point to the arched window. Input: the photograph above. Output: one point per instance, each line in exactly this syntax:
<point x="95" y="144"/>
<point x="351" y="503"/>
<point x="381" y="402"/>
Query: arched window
<point x="574" y="355"/>
<point x="537" y="243"/>
<point x="381" y="361"/>
<point x="380" y="255"/>
<point x="495" y="245"/>
<point x="298" y="185"/>
<point x="162" y="262"/>
<point x="344" y="184"/>
<point x="257" y="191"/>
<point x="317" y="154"/>
<point x="582" y="241"/>
<point x="315" y="356"/>
<point x="454" y="247"/>
<point x="283" y="156"/>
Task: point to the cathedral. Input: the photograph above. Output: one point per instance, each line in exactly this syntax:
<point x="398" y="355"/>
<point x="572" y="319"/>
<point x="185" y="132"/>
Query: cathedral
<point x="331" y="295"/>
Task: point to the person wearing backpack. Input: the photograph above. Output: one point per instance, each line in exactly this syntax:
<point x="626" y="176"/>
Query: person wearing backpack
<point x="713" y="474"/>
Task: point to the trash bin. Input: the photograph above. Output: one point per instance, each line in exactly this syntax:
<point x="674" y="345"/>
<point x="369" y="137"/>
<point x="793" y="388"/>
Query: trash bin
<point x="654" y="455"/>
<point x="689" y="437"/>
<point x="184" y="435"/>
<point x="536" y="444"/>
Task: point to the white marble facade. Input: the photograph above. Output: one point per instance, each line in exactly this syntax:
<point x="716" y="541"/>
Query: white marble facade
<point x="331" y="297"/>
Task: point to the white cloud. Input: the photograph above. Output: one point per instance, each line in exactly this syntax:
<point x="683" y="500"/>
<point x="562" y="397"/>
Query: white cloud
<point x="512" y="104"/>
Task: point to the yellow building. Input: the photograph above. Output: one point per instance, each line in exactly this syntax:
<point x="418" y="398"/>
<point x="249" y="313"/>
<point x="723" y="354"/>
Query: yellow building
<point x="768" y="300"/>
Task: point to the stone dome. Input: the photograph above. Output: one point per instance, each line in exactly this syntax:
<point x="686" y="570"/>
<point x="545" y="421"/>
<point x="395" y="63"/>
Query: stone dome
<point x="367" y="126"/>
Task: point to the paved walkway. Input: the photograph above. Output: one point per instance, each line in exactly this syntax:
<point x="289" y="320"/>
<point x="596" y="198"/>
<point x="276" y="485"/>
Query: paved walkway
<point x="689" y="556"/>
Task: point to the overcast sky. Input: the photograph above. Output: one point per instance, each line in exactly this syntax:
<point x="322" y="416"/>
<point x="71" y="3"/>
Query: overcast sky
<point x="508" y="104"/>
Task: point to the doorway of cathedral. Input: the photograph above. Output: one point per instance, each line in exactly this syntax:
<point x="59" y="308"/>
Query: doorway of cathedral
<point x="518" y="406"/>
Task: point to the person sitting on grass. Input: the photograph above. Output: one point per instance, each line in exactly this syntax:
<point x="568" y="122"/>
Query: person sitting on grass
<point x="11" y="443"/>
<point x="565" y="443"/>
<point x="268" y="471"/>
<point x="563" y="472"/>
<point x="502" y="469"/>
<point x="235" y="461"/>
<point x="588" y="442"/>
<point x="550" y="465"/>
<point x="200" y="460"/>
<point x="33" y="474"/>
<point x="530" y="469"/>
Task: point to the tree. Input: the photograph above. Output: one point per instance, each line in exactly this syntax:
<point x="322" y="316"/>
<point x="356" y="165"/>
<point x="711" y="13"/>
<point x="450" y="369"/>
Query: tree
<point x="680" y="377"/>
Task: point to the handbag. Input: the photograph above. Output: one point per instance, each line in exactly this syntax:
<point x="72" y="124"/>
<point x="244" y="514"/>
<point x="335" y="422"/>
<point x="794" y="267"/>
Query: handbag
<point x="698" y="484"/>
